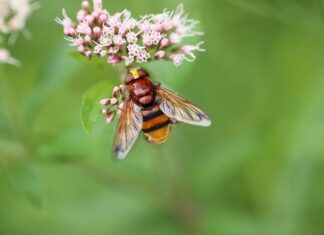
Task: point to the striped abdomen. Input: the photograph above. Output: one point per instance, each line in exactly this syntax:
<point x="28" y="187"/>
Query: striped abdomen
<point x="156" y="125"/>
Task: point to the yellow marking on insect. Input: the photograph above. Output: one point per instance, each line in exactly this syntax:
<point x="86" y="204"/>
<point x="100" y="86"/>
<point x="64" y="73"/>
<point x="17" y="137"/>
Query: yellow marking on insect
<point x="135" y="73"/>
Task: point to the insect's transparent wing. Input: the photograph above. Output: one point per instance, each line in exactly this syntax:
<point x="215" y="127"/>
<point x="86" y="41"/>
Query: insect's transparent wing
<point x="180" y="109"/>
<point x="128" y="129"/>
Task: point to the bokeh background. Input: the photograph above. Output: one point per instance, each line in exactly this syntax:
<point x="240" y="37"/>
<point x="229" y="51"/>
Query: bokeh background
<point x="258" y="170"/>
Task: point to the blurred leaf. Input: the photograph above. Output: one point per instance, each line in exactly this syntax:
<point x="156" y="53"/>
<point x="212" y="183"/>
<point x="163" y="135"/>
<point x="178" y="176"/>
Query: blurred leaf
<point x="91" y="108"/>
<point x="4" y="124"/>
<point x="11" y="149"/>
<point x="57" y="72"/>
<point x="4" y="130"/>
<point x="25" y="181"/>
<point x="305" y="17"/>
<point x="61" y="148"/>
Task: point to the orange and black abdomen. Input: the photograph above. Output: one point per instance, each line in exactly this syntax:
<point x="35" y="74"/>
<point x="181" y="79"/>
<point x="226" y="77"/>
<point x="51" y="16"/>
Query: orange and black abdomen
<point x="156" y="125"/>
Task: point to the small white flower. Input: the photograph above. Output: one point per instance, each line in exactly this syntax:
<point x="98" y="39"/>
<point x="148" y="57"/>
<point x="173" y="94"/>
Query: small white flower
<point x="84" y="28"/>
<point x="114" y="21"/>
<point x="131" y="37"/>
<point x="177" y="59"/>
<point x="106" y="31"/>
<point x="13" y="17"/>
<point x="14" y="14"/>
<point x="119" y="40"/>
<point x="190" y="49"/>
<point x="175" y="38"/>
<point x="134" y="50"/>
<point x="152" y="38"/>
<point x="5" y="57"/>
<point x="129" y="60"/>
<point x="143" y="57"/>
<point x="97" y="5"/>
<point x="114" y="49"/>
<point x="97" y="49"/>
<point x="105" y="40"/>
<point x="66" y="22"/>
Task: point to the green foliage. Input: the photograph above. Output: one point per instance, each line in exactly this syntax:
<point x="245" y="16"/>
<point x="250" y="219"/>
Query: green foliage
<point x="58" y="70"/>
<point x="24" y="180"/>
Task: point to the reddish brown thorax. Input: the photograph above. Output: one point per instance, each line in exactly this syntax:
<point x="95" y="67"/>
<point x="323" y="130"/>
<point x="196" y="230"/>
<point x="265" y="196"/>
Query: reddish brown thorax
<point x="140" y="87"/>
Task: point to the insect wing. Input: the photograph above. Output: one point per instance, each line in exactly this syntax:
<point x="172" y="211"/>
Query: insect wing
<point x="180" y="109"/>
<point x="128" y="129"/>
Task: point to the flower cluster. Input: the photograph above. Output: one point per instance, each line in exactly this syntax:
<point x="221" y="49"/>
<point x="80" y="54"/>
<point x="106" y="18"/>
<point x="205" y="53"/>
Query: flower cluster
<point x="13" y="17"/>
<point x="115" y="105"/>
<point x="120" y="37"/>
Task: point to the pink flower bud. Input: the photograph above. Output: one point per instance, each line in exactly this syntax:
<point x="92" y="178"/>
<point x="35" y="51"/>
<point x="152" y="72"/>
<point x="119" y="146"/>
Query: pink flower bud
<point x="96" y="32"/>
<point x="81" y="15"/>
<point x="88" y="54"/>
<point x="114" y="59"/>
<point x="159" y="55"/>
<point x="79" y="41"/>
<point x="164" y="42"/>
<point x="105" y="102"/>
<point x="103" y="53"/>
<point x="97" y="5"/>
<point x="87" y="39"/>
<point x="72" y="31"/>
<point x="122" y="88"/>
<point x="90" y="19"/>
<point x="121" y="106"/>
<point x="66" y="31"/>
<point x="85" y="6"/>
<point x="105" y="112"/>
<point x="81" y="48"/>
<point x="110" y="119"/>
<point x="95" y="15"/>
<point x="116" y="90"/>
<point x="88" y="31"/>
<point x="113" y="101"/>
<point x="167" y="26"/>
<point x="103" y="17"/>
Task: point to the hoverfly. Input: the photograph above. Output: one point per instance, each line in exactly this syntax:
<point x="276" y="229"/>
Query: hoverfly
<point x="152" y="109"/>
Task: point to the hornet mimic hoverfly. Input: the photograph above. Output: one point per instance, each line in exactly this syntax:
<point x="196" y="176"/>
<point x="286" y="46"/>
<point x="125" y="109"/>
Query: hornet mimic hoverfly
<point x="151" y="109"/>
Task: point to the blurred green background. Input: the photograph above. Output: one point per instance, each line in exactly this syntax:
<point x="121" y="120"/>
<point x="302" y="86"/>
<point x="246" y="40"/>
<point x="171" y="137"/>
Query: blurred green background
<point x="258" y="170"/>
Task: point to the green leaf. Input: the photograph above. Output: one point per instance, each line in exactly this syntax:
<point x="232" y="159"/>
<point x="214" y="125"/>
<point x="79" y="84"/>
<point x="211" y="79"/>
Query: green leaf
<point x="58" y="70"/>
<point x="91" y="108"/>
<point x="24" y="180"/>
